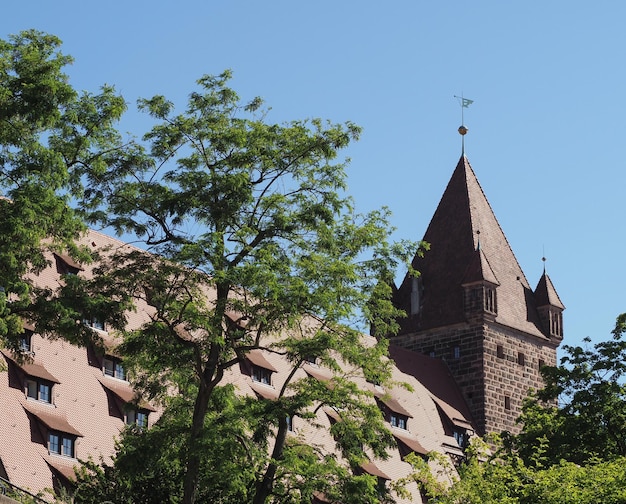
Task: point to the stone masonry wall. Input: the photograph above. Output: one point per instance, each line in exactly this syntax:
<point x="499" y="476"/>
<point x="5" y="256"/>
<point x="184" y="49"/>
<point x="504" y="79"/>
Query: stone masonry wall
<point x="494" y="366"/>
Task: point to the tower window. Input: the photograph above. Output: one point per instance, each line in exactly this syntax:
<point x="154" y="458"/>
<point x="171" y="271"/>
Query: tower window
<point x="541" y="363"/>
<point x="556" y="320"/>
<point x="521" y="359"/>
<point x="490" y="300"/>
<point x="500" y="352"/>
<point x="507" y="403"/>
<point x="416" y="296"/>
<point x="456" y="352"/>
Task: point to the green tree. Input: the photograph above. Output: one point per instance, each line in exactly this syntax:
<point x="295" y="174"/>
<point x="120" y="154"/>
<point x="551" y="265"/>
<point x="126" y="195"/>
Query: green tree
<point x="47" y="132"/>
<point x="497" y="475"/>
<point x="580" y="414"/>
<point x="253" y="245"/>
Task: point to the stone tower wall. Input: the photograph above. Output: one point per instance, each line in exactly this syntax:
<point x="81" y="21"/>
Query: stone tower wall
<point x="494" y="366"/>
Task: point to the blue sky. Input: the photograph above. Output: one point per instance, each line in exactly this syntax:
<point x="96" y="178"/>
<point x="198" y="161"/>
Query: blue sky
<point x="545" y="128"/>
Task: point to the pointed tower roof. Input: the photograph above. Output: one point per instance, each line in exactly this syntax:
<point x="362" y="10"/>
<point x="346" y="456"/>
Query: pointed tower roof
<point x="545" y="293"/>
<point x="467" y="242"/>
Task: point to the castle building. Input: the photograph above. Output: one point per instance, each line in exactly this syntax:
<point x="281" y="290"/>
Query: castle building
<point x="471" y="347"/>
<point x="472" y="307"/>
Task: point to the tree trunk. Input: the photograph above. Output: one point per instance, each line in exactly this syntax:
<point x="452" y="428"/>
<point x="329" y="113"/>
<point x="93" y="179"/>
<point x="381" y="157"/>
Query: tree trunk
<point x="190" y="484"/>
<point x="265" y="487"/>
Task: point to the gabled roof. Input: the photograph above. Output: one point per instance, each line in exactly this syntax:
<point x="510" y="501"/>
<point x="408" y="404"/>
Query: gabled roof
<point x="545" y="293"/>
<point x="462" y="224"/>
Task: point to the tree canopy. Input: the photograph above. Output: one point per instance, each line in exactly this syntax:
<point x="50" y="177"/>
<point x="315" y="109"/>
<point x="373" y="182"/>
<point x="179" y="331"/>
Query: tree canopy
<point x="252" y="244"/>
<point x="580" y="414"/>
<point x="48" y="134"/>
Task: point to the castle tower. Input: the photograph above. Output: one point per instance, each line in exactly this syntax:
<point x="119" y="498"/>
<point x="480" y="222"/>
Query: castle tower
<point x="473" y="307"/>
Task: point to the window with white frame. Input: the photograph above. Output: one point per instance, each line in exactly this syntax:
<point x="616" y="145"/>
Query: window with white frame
<point x="38" y="389"/>
<point x="112" y="366"/>
<point x="94" y="323"/>
<point x="26" y="341"/>
<point x="138" y="417"/>
<point x="398" y="420"/>
<point x="261" y="375"/>
<point x="61" y="443"/>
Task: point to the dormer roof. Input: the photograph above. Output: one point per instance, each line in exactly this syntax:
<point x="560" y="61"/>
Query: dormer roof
<point x="545" y="293"/>
<point x="479" y="270"/>
<point x="464" y="233"/>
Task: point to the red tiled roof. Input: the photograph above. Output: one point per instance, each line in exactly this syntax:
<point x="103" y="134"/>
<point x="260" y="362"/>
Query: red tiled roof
<point x="318" y="373"/>
<point x="332" y="414"/>
<point x="50" y="418"/>
<point x="479" y="270"/>
<point x="392" y="403"/>
<point x="453" y="414"/>
<point x="69" y="261"/>
<point x="258" y="359"/>
<point x="463" y="220"/>
<point x="435" y="376"/>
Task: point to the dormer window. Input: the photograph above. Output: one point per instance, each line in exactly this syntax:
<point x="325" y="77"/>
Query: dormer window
<point x="461" y="436"/>
<point x="393" y="411"/>
<point x="259" y="367"/>
<point x="138" y="417"/>
<point x="39" y="390"/>
<point x="66" y="265"/>
<point x="61" y="443"/>
<point x="112" y="366"/>
<point x="261" y="375"/>
<point x="26" y="341"/>
<point x="398" y="420"/>
<point x="94" y="323"/>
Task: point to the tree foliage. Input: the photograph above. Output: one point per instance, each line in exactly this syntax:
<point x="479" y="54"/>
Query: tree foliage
<point x="48" y="134"/>
<point x="497" y="475"/>
<point x="580" y="414"/>
<point x="252" y="244"/>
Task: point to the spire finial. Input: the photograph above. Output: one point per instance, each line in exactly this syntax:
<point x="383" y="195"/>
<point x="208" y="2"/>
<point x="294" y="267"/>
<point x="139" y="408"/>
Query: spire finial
<point x="465" y="103"/>
<point x="544" y="264"/>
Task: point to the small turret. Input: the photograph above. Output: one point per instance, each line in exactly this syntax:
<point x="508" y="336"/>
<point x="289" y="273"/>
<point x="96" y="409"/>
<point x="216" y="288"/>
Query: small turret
<point x="479" y="287"/>
<point x="550" y="307"/>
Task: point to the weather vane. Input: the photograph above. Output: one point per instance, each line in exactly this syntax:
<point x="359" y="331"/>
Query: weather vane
<point x="464" y="102"/>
